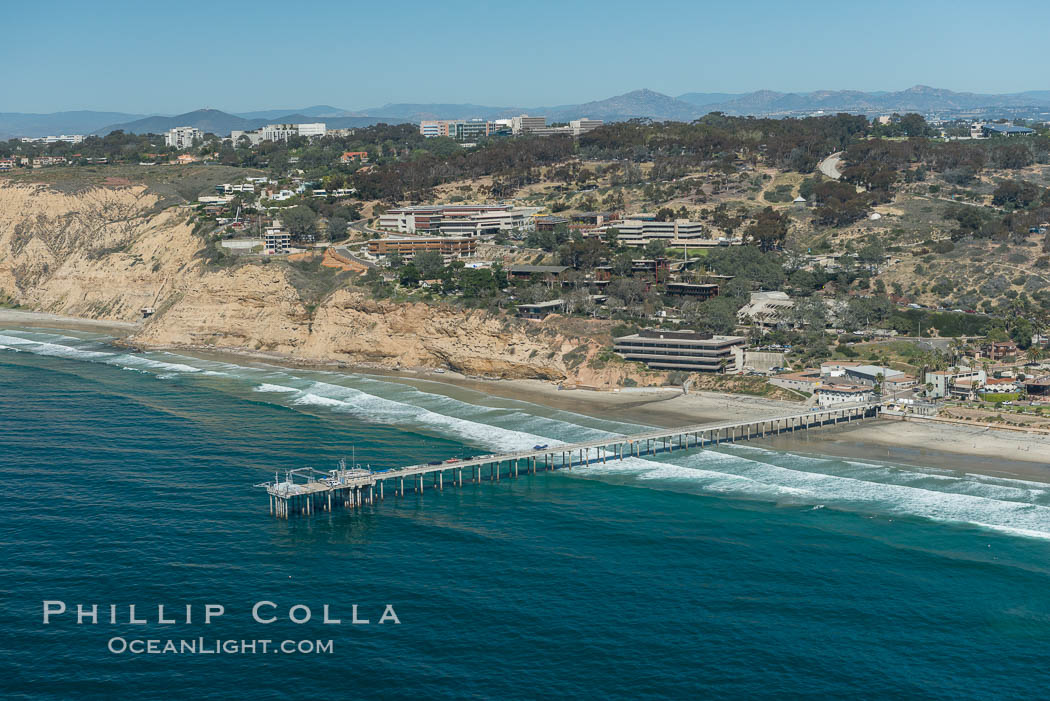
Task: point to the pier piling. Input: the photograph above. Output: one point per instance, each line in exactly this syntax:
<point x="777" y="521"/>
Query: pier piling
<point x="294" y="496"/>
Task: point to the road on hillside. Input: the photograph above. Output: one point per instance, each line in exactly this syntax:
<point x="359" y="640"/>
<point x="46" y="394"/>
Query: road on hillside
<point x="345" y="252"/>
<point x="830" y="166"/>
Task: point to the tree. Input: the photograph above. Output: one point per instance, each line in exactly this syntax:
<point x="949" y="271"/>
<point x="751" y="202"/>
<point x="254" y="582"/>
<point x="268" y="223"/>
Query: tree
<point x="408" y="276"/>
<point x="665" y="214"/>
<point x="1018" y="194"/>
<point x="429" y="264"/>
<point x="769" y="229"/>
<point x="914" y="125"/>
<point x="871" y="254"/>
<point x="717" y="315"/>
<point x="840" y="203"/>
<point x="656" y="248"/>
<point x="583" y="254"/>
<point x="622" y="264"/>
<point x="300" y="221"/>
<point x="336" y="228"/>
<point x="1021" y="332"/>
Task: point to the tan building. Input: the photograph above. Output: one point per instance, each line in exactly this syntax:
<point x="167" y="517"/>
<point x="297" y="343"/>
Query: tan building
<point x="683" y="350"/>
<point x="449" y="247"/>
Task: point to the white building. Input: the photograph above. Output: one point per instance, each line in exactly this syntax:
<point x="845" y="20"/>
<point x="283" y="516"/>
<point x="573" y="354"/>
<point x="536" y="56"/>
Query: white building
<point x="639" y="232"/>
<point x="458" y="219"/>
<point x="829" y="395"/>
<point x="584" y="125"/>
<point x="182" y="137"/>
<point x="61" y="139"/>
<point x="277" y="239"/>
<point x="311" y="130"/>
<point x="964" y="380"/>
<point x="279" y="132"/>
<point x="523" y="124"/>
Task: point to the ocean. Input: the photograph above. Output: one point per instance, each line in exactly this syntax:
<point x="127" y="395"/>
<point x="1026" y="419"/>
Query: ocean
<point x="739" y="571"/>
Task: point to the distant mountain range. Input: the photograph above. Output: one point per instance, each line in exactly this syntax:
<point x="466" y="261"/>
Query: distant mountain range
<point x="79" y="122"/>
<point x="639" y="103"/>
<point x="921" y="98"/>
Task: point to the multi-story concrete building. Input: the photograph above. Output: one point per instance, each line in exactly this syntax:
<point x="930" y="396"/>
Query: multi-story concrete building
<point x="639" y="232"/>
<point x="683" y="350"/>
<point x="311" y="129"/>
<point x="407" y="248"/>
<point x="523" y="124"/>
<point x="584" y="125"/>
<point x="458" y="220"/>
<point x="60" y="139"/>
<point x="182" y="137"/>
<point x="277" y="240"/>
<point x="436" y="127"/>
<point x="472" y="129"/>
<point x="279" y="132"/>
<point x="463" y="129"/>
<point x="944" y="382"/>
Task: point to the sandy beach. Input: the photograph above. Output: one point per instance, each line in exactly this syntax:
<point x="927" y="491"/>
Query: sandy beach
<point x="19" y="317"/>
<point x="926" y="443"/>
<point x="929" y="444"/>
<point x="913" y="442"/>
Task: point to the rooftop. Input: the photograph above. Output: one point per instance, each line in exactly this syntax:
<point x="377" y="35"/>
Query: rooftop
<point x="876" y="370"/>
<point x="554" y="269"/>
<point x="696" y="337"/>
<point x="851" y="389"/>
<point x="1008" y="129"/>
<point x="543" y="305"/>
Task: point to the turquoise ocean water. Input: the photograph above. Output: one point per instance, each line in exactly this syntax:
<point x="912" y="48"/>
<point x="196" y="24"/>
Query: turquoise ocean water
<point x="736" y="572"/>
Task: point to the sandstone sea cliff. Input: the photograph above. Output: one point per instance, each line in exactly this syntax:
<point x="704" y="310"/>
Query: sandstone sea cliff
<point x="108" y="252"/>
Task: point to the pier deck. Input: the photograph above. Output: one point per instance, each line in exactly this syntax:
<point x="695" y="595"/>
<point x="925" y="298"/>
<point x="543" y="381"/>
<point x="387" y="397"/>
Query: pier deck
<point x="350" y="488"/>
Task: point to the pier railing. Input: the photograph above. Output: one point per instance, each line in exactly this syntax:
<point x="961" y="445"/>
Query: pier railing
<point x="306" y="490"/>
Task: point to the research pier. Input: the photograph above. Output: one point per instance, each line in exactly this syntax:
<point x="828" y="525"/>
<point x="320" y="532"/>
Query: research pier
<point x="305" y="491"/>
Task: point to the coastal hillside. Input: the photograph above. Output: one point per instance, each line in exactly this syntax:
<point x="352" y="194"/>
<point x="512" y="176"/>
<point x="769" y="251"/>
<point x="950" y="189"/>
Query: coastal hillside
<point x="259" y="309"/>
<point x="108" y="252"/>
<point x="100" y="253"/>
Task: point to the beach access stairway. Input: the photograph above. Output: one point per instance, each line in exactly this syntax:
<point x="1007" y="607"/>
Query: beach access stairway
<point x="306" y="490"/>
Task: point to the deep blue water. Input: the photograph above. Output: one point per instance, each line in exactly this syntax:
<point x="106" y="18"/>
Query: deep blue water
<point x="737" y="572"/>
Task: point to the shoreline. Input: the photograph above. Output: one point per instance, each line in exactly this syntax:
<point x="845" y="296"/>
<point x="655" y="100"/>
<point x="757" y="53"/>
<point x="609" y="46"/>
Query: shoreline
<point x="983" y="450"/>
<point x="987" y="451"/>
<point x="657" y="407"/>
<point x="22" y="317"/>
<point x="980" y="449"/>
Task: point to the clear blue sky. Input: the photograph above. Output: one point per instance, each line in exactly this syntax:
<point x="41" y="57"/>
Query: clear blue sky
<point x="172" y="57"/>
